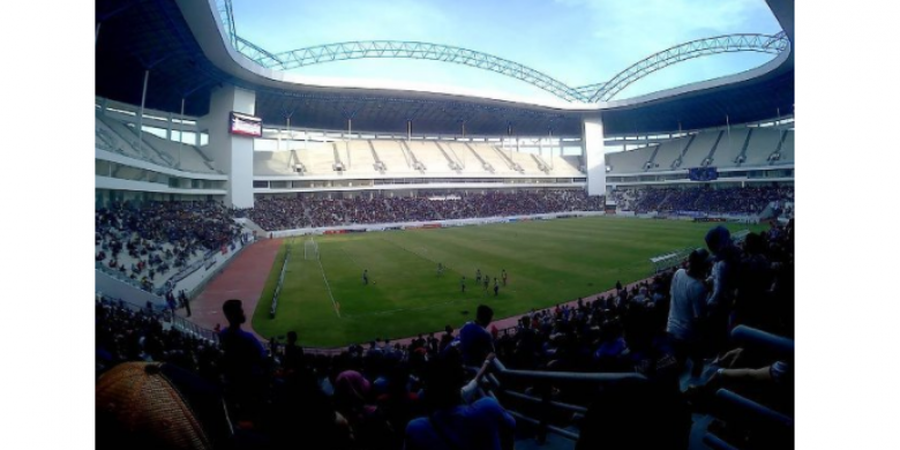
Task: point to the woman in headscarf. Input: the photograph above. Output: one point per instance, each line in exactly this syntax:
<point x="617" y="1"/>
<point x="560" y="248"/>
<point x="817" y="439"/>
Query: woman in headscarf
<point x="352" y="395"/>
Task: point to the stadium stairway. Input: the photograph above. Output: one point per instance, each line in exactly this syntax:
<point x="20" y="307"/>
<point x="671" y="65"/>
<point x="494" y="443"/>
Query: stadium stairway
<point x="253" y="227"/>
<point x="488" y="167"/>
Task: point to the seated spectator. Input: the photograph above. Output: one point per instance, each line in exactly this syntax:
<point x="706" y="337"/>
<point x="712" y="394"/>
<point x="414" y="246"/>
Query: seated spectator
<point x="352" y="395"/>
<point x="450" y="425"/>
<point x="301" y="413"/>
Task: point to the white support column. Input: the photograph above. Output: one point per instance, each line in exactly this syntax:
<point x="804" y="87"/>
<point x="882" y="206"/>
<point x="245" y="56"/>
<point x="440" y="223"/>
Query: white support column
<point x="594" y="156"/>
<point x="233" y="154"/>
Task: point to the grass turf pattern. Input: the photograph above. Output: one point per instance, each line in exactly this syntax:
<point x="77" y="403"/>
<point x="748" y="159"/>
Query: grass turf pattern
<point x="548" y="262"/>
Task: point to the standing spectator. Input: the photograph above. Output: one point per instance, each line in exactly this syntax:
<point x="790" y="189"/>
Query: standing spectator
<point x="170" y="301"/>
<point x="724" y="276"/>
<point x="687" y="310"/>
<point x="474" y="340"/>
<point x="185" y="302"/>
<point x="242" y="361"/>
<point x="293" y="353"/>
<point x="446" y="338"/>
<point x="751" y="304"/>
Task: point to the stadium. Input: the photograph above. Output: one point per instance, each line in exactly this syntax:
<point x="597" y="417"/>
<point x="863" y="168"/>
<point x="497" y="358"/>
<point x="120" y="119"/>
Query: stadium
<point x="287" y="260"/>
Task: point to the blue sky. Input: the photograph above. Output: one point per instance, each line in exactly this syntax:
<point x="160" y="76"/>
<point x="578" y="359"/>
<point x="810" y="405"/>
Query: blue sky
<point x="575" y="41"/>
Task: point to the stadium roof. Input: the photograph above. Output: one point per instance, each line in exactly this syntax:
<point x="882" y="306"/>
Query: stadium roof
<point x="189" y="50"/>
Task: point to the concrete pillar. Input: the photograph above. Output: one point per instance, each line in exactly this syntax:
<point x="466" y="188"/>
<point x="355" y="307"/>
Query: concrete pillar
<point x="594" y="155"/>
<point x="233" y="154"/>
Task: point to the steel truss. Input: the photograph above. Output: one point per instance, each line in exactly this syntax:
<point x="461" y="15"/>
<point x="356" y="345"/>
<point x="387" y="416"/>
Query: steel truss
<point x="760" y="43"/>
<point x="591" y="93"/>
<point x="342" y="51"/>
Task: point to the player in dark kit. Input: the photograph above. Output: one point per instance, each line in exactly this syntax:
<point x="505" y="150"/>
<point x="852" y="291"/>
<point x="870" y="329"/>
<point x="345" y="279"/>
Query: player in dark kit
<point x="478" y="275"/>
<point x="496" y="287"/>
<point x="365" y="276"/>
<point x="440" y="269"/>
<point x="462" y="284"/>
<point x="487" y="281"/>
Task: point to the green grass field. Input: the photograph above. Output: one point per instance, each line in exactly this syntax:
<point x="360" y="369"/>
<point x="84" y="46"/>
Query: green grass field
<point x="548" y="262"/>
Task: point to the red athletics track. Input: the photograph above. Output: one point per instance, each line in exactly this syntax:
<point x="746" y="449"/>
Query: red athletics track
<point x="243" y="278"/>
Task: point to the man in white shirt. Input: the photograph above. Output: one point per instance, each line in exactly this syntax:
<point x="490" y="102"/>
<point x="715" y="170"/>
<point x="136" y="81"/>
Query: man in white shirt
<point x="687" y="309"/>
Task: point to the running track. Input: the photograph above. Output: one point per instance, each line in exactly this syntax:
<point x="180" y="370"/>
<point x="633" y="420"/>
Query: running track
<point x="243" y="278"/>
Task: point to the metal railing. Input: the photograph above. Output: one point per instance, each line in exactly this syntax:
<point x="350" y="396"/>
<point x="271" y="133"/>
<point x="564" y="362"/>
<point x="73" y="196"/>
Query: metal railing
<point x="763" y="417"/>
<point x="166" y="315"/>
<point x="543" y="381"/>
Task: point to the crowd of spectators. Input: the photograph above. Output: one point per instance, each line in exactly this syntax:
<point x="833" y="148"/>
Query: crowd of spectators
<point x="384" y="395"/>
<point x="147" y="241"/>
<point x="730" y="200"/>
<point x="281" y="213"/>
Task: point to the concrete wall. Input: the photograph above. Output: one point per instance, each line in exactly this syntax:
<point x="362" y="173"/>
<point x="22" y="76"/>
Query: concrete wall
<point x="233" y="154"/>
<point x="594" y="153"/>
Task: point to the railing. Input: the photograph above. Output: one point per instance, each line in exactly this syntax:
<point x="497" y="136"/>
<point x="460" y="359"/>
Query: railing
<point x="115" y="273"/>
<point x="762" y="416"/>
<point x="543" y="384"/>
<point x="484" y="164"/>
<point x="507" y="159"/>
<point x="416" y="164"/>
<point x="165" y="315"/>
<point x="379" y="164"/>
<point x="450" y="162"/>
<point x="711" y="155"/>
<point x="188" y="327"/>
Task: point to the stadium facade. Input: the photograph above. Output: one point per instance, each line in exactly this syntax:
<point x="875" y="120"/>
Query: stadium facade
<point x="185" y="106"/>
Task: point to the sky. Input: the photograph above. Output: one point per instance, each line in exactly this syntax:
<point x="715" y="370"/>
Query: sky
<point x="575" y="41"/>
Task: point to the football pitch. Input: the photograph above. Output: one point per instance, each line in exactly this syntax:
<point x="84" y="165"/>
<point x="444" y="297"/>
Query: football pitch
<point x="548" y="262"/>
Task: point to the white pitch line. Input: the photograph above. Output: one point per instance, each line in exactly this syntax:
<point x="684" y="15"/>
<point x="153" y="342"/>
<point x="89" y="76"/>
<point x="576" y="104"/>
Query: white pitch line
<point x="328" y="286"/>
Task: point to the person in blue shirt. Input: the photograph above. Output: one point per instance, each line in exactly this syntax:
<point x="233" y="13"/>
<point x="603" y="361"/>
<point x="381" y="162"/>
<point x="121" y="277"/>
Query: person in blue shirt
<point x="242" y="360"/>
<point x="451" y="425"/>
<point x="474" y="340"/>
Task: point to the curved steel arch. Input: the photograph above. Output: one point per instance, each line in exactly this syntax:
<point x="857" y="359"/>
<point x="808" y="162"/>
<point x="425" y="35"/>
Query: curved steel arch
<point x="591" y="93"/>
<point x="761" y="43"/>
<point x="342" y="51"/>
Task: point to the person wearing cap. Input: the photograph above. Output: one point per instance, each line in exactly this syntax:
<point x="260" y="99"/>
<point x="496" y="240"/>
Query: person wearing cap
<point x="687" y="309"/>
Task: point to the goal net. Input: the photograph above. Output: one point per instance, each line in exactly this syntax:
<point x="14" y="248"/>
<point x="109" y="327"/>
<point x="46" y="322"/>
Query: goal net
<point x="310" y="250"/>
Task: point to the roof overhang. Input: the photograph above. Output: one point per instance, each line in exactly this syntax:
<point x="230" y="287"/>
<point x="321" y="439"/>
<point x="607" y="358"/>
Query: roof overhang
<point x="753" y="95"/>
